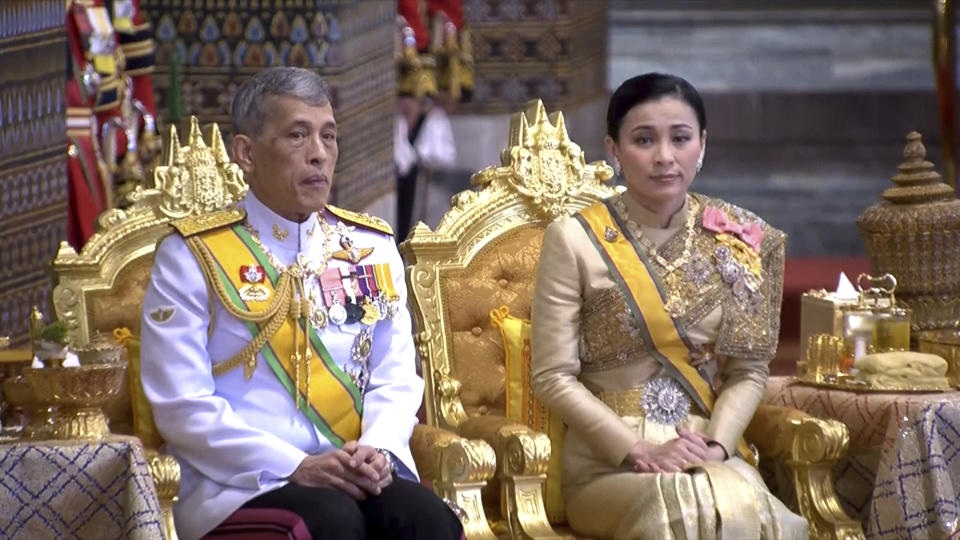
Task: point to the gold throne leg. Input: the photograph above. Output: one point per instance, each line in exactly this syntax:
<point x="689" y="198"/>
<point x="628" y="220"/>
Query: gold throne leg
<point x="816" y="444"/>
<point x="166" y="478"/>
<point x="525" y="456"/>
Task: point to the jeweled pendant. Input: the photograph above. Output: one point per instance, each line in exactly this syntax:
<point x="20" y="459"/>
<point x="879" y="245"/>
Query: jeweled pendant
<point x="610" y="234"/>
<point x="318" y="316"/>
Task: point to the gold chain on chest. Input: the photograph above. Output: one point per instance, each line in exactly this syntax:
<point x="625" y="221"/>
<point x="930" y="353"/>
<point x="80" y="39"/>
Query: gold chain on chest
<point x="650" y="249"/>
<point x="677" y="286"/>
<point x="305" y="269"/>
<point x="300" y="304"/>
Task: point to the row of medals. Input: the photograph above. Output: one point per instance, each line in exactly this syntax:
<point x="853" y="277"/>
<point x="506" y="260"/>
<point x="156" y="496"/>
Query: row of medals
<point x="360" y="308"/>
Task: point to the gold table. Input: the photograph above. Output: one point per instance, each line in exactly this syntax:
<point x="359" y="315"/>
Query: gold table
<point x="77" y="489"/>
<point x="901" y="476"/>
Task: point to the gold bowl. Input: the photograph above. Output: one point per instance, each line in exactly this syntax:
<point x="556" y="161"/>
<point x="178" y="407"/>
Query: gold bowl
<point x="77" y="395"/>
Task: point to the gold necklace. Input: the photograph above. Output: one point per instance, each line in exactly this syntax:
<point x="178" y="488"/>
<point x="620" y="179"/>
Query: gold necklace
<point x="649" y="248"/>
<point x="305" y="268"/>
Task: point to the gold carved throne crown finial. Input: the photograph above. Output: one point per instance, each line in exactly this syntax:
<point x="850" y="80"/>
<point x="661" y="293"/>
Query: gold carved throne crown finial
<point x="198" y="177"/>
<point x="543" y="164"/>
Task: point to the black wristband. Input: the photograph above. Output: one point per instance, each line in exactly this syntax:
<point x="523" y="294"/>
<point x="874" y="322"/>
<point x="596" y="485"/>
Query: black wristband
<point x="726" y="455"/>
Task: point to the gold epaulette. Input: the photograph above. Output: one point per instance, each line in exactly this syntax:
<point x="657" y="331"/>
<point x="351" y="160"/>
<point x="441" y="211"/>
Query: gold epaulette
<point x="192" y="225"/>
<point x="363" y="220"/>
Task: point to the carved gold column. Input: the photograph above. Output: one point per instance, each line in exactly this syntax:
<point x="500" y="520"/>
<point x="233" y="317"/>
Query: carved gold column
<point x="33" y="156"/>
<point x="945" y="73"/>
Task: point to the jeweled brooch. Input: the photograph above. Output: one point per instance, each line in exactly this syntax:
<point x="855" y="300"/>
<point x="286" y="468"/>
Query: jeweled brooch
<point x="665" y="402"/>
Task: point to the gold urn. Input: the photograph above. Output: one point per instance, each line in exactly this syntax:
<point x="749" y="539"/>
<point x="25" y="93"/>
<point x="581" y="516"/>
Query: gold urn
<point x="914" y="234"/>
<point x="77" y="395"/>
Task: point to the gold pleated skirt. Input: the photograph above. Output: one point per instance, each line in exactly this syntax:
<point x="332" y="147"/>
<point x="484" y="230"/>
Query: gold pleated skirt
<point x="712" y="501"/>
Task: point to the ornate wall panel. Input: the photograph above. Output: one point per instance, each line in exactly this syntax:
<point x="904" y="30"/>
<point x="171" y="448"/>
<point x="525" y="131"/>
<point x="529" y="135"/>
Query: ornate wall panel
<point x="222" y="42"/>
<point x="33" y="177"/>
<point x="555" y="50"/>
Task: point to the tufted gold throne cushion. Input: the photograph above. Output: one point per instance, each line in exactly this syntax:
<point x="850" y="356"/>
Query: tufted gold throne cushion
<point x="483" y="255"/>
<point x="501" y="275"/>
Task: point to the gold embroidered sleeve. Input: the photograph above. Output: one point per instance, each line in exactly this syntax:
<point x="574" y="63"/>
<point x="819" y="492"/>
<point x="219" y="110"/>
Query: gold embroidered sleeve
<point x="752" y="332"/>
<point x="749" y="340"/>
<point x="556" y="315"/>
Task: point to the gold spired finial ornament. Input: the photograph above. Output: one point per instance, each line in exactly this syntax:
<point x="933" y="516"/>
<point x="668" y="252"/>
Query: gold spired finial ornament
<point x="917" y="180"/>
<point x="914" y="234"/>
<point x="198" y="177"/>
<point x="543" y="164"/>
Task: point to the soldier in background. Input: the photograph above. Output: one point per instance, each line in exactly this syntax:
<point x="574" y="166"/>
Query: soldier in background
<point x="435" y="71"/>
<point x="111" y="130"/>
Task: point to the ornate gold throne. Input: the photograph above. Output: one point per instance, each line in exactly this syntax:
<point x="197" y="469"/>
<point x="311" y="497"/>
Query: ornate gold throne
<point x="102" y="288"/>
<point x="483" y="255"/>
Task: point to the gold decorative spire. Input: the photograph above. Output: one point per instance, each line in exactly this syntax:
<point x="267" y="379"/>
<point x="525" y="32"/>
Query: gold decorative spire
<point x="543" y="164"/>
<point x="917" y="181"/>
<point x="199" y="177"/>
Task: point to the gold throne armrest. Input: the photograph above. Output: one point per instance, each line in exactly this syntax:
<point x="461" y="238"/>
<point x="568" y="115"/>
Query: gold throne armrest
<point x="165" y="472"/>
<point x="809" y="446"/>
<point x="523" y="458"/>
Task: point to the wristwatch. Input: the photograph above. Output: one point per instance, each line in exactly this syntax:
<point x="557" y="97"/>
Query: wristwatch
<point x="392" y="461"/>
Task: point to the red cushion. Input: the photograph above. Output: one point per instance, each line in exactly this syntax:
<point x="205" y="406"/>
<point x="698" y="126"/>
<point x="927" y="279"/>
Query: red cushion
<point x="261" y="524"/>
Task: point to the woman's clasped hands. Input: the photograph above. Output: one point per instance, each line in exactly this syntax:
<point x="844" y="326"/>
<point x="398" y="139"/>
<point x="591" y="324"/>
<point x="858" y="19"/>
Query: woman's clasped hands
<point x="689" y="448"/>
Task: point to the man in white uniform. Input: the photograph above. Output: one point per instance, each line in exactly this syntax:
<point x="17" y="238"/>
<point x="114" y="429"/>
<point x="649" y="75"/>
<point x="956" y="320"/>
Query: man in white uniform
<point x="286" y="296"/>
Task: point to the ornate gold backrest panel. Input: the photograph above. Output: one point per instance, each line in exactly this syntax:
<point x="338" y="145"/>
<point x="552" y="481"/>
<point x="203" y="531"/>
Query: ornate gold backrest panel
<point x="198" y="178"/>
<point x="483" y="254"/>
<point x="101" y="288"/>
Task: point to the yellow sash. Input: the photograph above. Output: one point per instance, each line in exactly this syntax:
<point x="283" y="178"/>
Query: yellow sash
<point x="646" y="298"/>
<point x="333" y="402"/>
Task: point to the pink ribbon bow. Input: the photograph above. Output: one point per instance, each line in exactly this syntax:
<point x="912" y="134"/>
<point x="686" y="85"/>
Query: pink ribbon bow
<point x="716" y="220"/>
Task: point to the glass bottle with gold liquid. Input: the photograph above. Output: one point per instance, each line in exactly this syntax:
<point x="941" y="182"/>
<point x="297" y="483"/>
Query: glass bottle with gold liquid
<point x="875" y="323"/>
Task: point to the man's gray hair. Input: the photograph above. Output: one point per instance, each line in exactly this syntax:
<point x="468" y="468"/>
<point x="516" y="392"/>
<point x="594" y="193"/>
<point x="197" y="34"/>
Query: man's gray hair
<point x="249" y="109"/>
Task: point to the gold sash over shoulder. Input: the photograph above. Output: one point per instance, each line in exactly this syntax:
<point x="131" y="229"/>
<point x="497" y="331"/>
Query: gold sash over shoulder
<point x="646" y="301"/>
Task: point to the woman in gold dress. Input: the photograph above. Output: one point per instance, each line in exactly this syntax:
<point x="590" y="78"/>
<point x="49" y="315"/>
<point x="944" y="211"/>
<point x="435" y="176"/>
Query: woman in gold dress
<point x="655" y="316"/>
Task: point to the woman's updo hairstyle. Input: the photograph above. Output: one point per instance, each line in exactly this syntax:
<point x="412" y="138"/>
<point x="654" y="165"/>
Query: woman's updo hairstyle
<point x="651" y="87"/>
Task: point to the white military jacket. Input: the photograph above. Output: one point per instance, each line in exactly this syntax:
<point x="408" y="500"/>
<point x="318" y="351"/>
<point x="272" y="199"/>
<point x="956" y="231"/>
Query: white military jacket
<point x="236" y="438"/>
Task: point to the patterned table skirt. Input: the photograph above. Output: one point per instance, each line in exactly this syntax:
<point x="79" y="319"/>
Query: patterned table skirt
<point x="77" y="489"/>
<point x="902" y="472"/>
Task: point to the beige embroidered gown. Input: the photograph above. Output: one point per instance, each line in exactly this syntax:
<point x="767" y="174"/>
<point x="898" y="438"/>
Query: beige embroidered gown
<point x="589" y="363"/>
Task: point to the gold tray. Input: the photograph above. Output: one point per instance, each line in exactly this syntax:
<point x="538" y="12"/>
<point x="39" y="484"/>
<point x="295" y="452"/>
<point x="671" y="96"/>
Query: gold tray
<point x="850" y="383"/>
